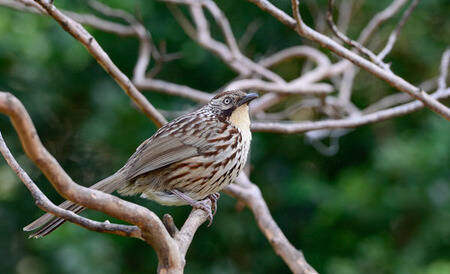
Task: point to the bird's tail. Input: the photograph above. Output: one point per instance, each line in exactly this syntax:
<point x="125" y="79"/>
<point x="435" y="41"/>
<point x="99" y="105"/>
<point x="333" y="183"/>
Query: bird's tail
<point x="48" y="222"/>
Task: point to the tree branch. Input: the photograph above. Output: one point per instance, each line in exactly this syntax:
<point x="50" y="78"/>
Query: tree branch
<point x="363" y="50"/>
<point x="79" y="33"/>
<point x="45" y="204"/>
<point x="152" y="230"/>
<point x="394" y="34"/>
<point x="445" y="63"/>
<point x="250" y="194"/>
<point x="303" y="30"/>
<point x="350" y="122"/>
<point x="85" y="19"/>
<point x="379" y="18"/>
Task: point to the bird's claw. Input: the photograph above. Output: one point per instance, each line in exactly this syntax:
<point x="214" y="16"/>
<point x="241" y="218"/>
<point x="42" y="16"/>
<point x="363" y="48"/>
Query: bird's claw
<point x="214" y="197"/>
<point x="209" y="208"/>
<point x="203" y="205"/>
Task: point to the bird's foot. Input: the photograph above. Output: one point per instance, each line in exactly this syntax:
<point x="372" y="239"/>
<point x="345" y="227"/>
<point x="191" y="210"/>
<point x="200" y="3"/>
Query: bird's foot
<point x="203" y="204"/>
<point x="214" y="197"/>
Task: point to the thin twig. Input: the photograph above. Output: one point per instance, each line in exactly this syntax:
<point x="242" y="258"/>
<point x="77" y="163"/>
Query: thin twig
<point x="363" y="50"/>
<point x="379" y="19"/>
<point x="394" y="34"/>
<point x="351" y="122"/>
<point x="445" y="63"/>
<point x="85" y="19"/>
<point x="303" y="30"/>
<point x="249" y="33"/>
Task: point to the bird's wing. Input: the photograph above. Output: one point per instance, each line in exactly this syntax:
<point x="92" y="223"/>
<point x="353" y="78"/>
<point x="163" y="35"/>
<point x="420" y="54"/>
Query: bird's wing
<point x="164" y="149"/>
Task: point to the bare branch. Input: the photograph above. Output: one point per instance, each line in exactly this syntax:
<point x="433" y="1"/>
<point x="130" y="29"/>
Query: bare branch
<point x="292" y="88"/>
<point x="79" y="33"/>
<point x="134" y="29"/>
<point x="379" y="18"/>
<point x="363" y="50"/>
<point x="320" y="59"/>
<point x="346" y="86"/>
<point x="387" y="76"/>
<point x="349" y="122"/>
<point x="401" y="98"/>
<point x="108" y="11"/>
<point x="30" y="4"/>
<point x="245" y="38"/>
<point x="45" y="204"/>
<point x="250" y="194"/>
<point x="153" y="231"/>
<point x="186" y="234"/>
<point x="345" y="14"/>
<point x="229" y="53"/>
<point x="170" y="225"/>
<point x="173" y="89"/>
<point x="388" y="101"/>
<point x="445" y="63"/>
<point x="85" y="19"/>
<point x="394" y="34"/>
<point x="300" y="85"/>
<point x="147" y="225"/>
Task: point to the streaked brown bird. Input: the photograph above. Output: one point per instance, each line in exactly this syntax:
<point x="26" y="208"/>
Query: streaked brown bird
<point x="187" y="161"/>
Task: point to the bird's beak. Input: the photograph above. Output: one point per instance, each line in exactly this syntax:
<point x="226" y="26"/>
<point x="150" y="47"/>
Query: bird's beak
<point x="247" y="98"/>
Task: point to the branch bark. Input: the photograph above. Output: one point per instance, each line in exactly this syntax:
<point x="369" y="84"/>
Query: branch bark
<point x="251" y="195"/>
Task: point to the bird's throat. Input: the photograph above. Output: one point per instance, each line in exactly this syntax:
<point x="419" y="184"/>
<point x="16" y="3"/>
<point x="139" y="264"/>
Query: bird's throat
<point x="240" y="119"/>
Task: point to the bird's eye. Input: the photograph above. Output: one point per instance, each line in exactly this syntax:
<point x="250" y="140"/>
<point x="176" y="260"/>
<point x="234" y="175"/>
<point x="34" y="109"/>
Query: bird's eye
<point x="227" y="101"/>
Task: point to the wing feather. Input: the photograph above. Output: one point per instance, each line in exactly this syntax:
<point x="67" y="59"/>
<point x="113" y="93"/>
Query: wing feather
<point x="165" y="148"/>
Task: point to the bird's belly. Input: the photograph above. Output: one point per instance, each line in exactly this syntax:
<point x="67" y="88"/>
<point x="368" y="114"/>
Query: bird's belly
<point x="202" y="175"/>
<point x="197" y="177"/>
<point x="163" y="198"/>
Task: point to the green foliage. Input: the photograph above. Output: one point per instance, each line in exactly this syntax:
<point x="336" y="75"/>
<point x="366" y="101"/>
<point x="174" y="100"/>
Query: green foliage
<point x="381" y="205"/>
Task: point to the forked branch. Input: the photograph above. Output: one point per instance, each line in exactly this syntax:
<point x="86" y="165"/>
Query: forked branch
<point x="146" y="225"/>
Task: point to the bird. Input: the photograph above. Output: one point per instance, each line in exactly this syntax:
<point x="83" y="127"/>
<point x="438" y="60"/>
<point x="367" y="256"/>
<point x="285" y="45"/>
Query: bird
<point x="187" y="161"/>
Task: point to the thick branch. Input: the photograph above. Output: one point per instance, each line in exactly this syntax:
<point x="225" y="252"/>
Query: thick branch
<point x="184" y="236"/>
<point x="152" y="230"/>
<point x="45" y="204"/>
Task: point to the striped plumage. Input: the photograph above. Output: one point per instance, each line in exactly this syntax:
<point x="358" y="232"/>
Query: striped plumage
<point x="186" y="161"/>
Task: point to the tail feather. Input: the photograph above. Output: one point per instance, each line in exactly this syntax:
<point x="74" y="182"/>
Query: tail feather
<point x="48" y="222"/>
<point x="55" y="222"/>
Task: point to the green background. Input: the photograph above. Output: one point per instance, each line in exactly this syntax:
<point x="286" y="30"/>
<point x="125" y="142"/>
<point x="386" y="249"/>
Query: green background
<point x="380" y="205"/>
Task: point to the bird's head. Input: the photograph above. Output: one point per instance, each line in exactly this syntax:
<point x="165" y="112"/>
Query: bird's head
<point x="232" y="106"/>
